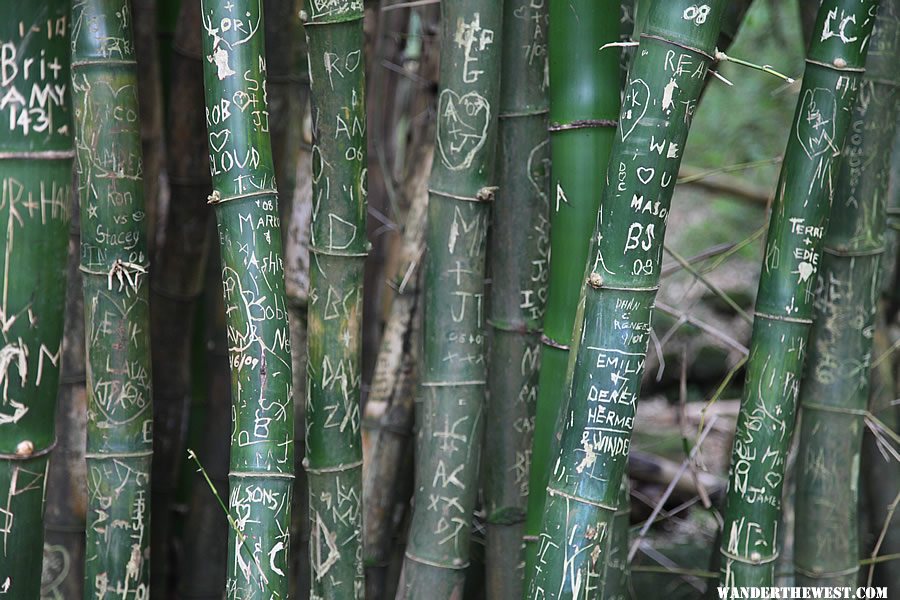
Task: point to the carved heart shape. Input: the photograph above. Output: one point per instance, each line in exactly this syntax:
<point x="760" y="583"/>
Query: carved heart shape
<point x="816" y="121"/>
<point x="634" y="106"/>
<point x="645" y="174"/>
<point x="806" y="270"/>
<point x="217" y="140"/>
<point x="241" y="99"/>
<point x="461" y="127"/>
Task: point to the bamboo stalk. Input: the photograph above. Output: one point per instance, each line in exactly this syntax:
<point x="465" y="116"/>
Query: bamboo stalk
<point x="203" y="566"/>
<point x="613" y="323"/>
<point x="115" y="266"/>
<point x="153" y="148"/>
<point x="453" y="373"/>
<point x="178" y="281"/>
<point x="296" y="287"/>
<point x="519" y="255"/>
<point x="835" y="390"/>
<point x="784" y="307"/>
<point x="35" y="189"/>
<point x="246" y="205"/>
<point x="338" y="247"/>
<point x="585" y="88"/>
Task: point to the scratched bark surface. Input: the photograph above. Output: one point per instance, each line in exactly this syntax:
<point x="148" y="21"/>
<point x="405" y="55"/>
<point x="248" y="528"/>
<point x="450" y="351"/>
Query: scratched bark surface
<point x="114" y="264"/>
<point x="35" y="185"/>
<point x="338" y="247"/>
<point x="246" y="205"/>
<point x="520" y="251"/>
<point x="585" y="90"/>
<point x="835" y="390"/>
<point x="451" y="418"/>
<point x="613" y="324"/>
<point x="784" y="307"/>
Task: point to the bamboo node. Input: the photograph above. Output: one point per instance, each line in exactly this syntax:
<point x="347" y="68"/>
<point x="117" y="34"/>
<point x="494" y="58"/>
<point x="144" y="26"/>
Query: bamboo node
<point x="840" y="63"/>
<point x="25" y="448"/>
<point x="214" y="198"/>
<point x="486" y="194"/>
<point x="595" y="281"/>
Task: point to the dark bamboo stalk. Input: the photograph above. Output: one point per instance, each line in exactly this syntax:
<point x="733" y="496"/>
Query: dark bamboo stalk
<point x="203" y="568"/>
<point x="35" y="189"/>
<point x="153" y="146"/>
<point x="453" y="373"/>
<point x="519" y="255"/>
<point x="784" y="306"/>
<point x="613" y="324"/>
<point x="115" y="267"/>
<point x="246" y="204"/>
<point x="178" y="281"/>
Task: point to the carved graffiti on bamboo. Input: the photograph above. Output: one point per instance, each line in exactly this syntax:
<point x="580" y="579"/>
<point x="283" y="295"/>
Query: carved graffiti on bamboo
<point x="462" y="126"/>
<point x="34" y="92"/>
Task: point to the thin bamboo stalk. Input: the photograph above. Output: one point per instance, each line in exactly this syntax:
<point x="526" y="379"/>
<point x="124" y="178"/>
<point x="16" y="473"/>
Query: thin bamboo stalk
<point x="519" y="255"/>
<point x="178" y="281"/>
<point x="612" y="328"/>
<point x="35" y="188"/>
<point x="453" y="376"/>
<point x="784" y="306"/>
<point x="835" y="389"/>
<point x="338" y="247"/>
<point x="246" y="205"/>
<point x="585" y="89"/>
<point x="115" y="267"/>
<point x="395" y="383"/>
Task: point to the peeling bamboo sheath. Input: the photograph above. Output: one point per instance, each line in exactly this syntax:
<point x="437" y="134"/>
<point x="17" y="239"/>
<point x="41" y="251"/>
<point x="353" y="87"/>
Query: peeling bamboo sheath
<point x="520" y="251"/>
<point x="338" y="247"/>
<point x="453" y="375"/>
<point x="585" y="88"/>
<point x="612" y="328"/>
<point x="35" y="187"/>
<point x="114" y="265"/>
<point x="246" y="206"/>
<point x="784" y="307"/>
<point x="835" y="389"/>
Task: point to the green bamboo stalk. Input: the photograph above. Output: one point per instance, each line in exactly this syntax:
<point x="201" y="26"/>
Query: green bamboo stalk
<point x="835" y="390"/>
<point x="585" y="88"/>
<point x="519" y="254"/>
<point x="613" y="323"/>
<point x="784" y="306"/>
<point x="246" y="204"/>
<point x="338" y="248"/>
<point x="461" y="186"/>
<point x="115" y="266"/>
<point x="35" y="188"/>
